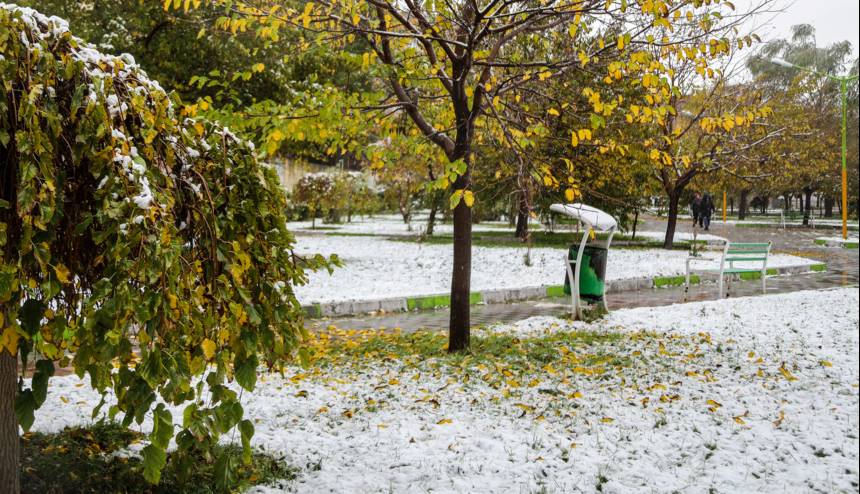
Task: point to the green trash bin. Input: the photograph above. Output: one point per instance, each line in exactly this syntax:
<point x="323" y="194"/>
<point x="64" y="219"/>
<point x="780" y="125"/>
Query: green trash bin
<point x="592" y="277"/>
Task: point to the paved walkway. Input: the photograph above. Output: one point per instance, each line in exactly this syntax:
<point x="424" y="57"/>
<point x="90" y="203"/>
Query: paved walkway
<point x="843" y="267"/>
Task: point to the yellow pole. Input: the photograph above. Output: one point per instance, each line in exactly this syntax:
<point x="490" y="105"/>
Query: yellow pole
<point x="724" y="206"/>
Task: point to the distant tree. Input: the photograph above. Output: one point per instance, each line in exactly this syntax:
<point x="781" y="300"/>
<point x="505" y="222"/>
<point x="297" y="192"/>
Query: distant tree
<point x="316" y="191"/>
<point x="809" y="105"/>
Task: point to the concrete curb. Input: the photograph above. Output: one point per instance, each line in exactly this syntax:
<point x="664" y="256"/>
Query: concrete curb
<point x="507" y="295"/>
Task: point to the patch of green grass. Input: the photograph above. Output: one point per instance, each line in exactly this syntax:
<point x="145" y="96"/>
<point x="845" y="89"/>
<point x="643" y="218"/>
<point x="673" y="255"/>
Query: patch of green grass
<point x="818" y="267"/>
<point x="820" y="241"/>
<point x="82" y="460"/>
<point x="851" y="245"/>
<point x="428" y="302"/>
<point x="353" y="234"/>
<point x="434" y="301"/>
<point x="662" y="281"/>
<point x="324" y="228"/>
<point x="555" y="291"/>
<point x="559" y="240"/>
<point x="750" y="275"/>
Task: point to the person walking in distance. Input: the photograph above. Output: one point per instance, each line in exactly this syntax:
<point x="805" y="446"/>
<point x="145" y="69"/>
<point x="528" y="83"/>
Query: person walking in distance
<point x="706" y="210"/>
<point x="696" y="209"/>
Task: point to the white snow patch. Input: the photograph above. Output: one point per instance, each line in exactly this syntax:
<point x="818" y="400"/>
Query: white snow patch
<point x="766" y="433"/>
<point x="376" y="268"/>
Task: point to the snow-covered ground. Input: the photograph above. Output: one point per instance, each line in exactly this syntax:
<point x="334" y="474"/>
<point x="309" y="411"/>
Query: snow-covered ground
<point x="680" y="236"/>
<point x="793" y="222"/>
<point x="741" y="395"/>
<point x="376" y="268"/>
<point x="391" y="224"/>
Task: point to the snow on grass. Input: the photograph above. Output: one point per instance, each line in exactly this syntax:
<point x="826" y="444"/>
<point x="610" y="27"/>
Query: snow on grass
<point x="851" y="238"/>
<point x="741" y="395"/>
<point x="850" y="242"/>
<point x="391" y="224"/>
<point x="776" y="220"/>
<point x="681" y="236"/>
<point x="376" y="268"/>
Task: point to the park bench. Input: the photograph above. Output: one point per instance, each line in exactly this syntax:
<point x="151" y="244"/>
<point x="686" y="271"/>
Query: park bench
<point x="738" y="252"/>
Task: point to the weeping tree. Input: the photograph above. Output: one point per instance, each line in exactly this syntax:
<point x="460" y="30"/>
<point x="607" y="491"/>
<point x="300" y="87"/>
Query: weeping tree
<point x="143" y="249"/>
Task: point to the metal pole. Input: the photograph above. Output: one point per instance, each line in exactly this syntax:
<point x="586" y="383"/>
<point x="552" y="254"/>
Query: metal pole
<point x="724" y="206"/>
<point x="843" y="86"/>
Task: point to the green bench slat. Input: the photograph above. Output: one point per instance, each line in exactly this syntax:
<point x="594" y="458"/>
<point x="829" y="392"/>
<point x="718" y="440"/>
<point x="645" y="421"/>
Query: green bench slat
<point x="736" y="259"/>
<point x="733" y="251"/>
<point x="741" y="270"/>
<point x="743" y="245"/>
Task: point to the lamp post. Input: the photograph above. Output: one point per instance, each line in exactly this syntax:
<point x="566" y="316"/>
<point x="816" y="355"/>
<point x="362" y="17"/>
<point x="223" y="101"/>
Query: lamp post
<point x="843" y="89"/>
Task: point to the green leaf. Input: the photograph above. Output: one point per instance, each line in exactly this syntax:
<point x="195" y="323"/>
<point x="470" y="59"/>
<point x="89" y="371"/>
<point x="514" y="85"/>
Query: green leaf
<point x="246" y="429"/>
<point x="39" y="384"/>
<point x="224" y="471"/>
<point x="456" y="196"/>
<point x="162" y="427"/>
<point x="31" y="315"/>
<point x="25" y="406"/>
<point x="246" y="373"/>
<point x="154" y="459"/>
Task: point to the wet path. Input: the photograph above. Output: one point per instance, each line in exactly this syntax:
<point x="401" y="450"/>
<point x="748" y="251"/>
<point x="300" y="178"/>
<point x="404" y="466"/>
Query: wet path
<point x="843" y="269"/>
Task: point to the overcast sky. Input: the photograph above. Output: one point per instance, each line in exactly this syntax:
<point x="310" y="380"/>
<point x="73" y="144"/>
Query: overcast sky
<point x="834" y="20"/>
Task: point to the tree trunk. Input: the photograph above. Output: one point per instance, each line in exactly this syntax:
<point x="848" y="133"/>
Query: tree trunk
<point x="828" y="207"/>
<point x="405" y="212"/>
<point x="435" y="199"/>
<point x="9" y="466"/>
<point x="674" y="200"/>
<point x="742" y="204"/>
<point x="458" y="335"/>
<point x="522" y="232"/>
<point x="807" y="203"/>
<point x="635" y="222"/>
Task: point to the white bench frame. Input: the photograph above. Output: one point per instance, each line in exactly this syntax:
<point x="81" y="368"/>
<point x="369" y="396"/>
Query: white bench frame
<point x="737" y="252"/>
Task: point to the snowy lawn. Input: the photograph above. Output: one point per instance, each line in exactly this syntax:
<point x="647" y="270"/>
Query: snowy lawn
<point x="742" y="395"/>
<point x="680" y="236"/>
<point x="376" y="268"/>
<point x="850" y="242"/>
<point x="392" y="224"/>
<point x="389" y="224"/>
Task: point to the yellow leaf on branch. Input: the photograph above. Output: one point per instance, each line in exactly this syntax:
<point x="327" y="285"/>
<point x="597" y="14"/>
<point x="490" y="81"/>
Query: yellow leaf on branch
<point x="208" y="347"/>
<point x="9" y="341"/>
<point x="62" y="273"/>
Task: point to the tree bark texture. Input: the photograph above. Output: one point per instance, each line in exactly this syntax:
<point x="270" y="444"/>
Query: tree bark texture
<point x="9" y="460"/>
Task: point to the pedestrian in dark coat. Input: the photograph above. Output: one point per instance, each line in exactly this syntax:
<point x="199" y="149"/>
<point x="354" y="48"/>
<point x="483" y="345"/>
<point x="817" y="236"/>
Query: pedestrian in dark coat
<point x="696" y="209"/>
<point x="706" y="210"/>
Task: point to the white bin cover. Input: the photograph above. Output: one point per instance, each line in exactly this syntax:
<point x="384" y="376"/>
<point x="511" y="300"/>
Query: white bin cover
<point x="595" y="218"/>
